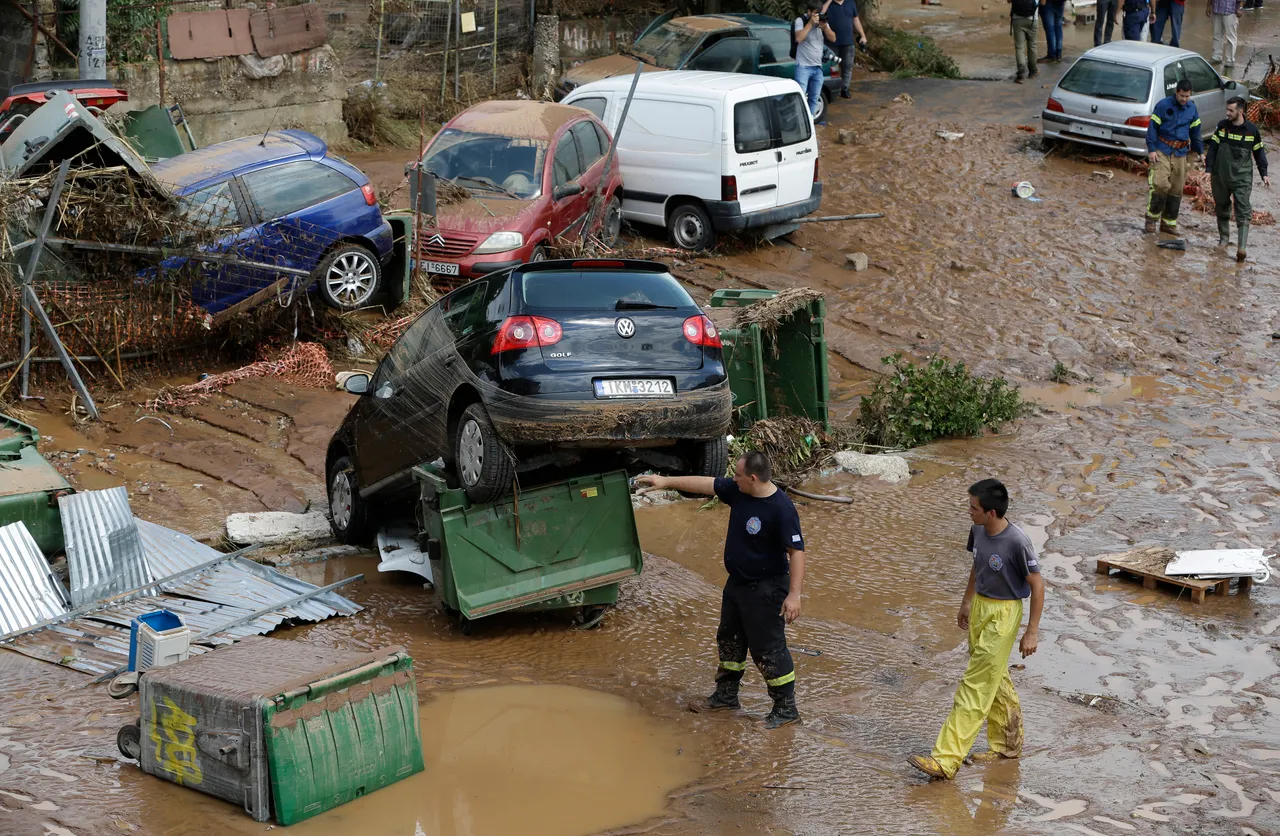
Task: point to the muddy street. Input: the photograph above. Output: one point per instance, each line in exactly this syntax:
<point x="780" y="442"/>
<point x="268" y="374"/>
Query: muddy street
<point x="1144" y="713"/>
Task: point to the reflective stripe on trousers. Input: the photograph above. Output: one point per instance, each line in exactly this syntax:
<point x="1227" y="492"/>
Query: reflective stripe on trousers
<point x="985" y="693"/>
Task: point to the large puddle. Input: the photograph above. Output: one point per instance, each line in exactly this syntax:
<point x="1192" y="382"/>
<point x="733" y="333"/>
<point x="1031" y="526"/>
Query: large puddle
<point x="539" y="760"/>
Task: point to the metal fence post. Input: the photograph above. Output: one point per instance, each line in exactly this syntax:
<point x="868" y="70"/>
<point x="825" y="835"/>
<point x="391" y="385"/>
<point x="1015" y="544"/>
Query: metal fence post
<point x="495" y="44"/>
<point x="444" y="56"/>
<point x="457" y="50"/>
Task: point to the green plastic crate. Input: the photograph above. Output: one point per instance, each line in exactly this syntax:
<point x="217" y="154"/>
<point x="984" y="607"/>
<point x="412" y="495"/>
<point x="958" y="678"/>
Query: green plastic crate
<point x="780" y="374"/>
<point x="567" y="544"/>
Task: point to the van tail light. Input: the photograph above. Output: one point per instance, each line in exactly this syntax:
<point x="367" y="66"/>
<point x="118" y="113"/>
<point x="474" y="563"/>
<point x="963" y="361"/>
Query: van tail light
<point x="526" y="332"/>
<point x="815" y="169"/>
<point x="729" y="188"/>
<point x="1138" y="121"/>
<point x="701" y="331"/>
<point x="1054" y="105"/>
<point x="370" y="196"/>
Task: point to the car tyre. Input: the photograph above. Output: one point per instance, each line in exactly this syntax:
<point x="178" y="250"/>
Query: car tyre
<point x="482" y="464"/>
<point x="709" y="458"/>
<point x="539" y="254"/>
<point x="349" y="276"/>
<point x="611" y="226"/>
<point x="690" y="228"/>
<point x="824" y="99"/>
<point x="348" y="513"/>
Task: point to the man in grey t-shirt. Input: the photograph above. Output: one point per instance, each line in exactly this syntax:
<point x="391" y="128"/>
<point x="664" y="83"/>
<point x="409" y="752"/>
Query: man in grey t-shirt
<point x="1005" y="570"/>
<point x="810" y="31"/>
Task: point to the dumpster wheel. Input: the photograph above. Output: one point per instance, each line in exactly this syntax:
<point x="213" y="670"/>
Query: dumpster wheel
<point x="589" y="618"/>
<point x="129" y="741"/>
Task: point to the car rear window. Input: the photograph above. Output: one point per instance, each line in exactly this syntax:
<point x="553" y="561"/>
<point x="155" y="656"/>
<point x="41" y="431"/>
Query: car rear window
<point x="602" y="291"/>
<point x="1104" y="80"/>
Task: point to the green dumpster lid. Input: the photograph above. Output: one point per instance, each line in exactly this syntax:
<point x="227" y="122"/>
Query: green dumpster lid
<point x="737" y="298"/>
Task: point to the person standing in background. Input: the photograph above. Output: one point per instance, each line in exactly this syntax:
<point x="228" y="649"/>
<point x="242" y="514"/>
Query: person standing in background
<point x="1226" y="19"/>
<point x="1022" y="25"/>
<point x="1171" y="11"/>
<point x="809" y="33"/>
<point x="1106" y="20"/>
<point x="1136" y="14"/>
<point x="1051" y="14"/>
<point x="842" y="17"/>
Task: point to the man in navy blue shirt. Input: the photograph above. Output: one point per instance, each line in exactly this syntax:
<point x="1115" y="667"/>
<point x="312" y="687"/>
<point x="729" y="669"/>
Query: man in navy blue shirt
<point x="842" y="17"/>
<point x="764" y="556"/>
<point x="1173" y="132"/>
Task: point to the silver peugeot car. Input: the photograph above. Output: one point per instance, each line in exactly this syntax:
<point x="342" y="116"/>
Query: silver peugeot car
<point x="1107" y="96"/>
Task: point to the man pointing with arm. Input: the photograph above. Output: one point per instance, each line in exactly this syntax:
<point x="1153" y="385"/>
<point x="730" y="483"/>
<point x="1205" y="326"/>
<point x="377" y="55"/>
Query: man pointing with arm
<point x="764" y="556"/>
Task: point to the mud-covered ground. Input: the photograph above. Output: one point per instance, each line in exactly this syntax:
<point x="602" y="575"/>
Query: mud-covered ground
<point x="1144" y="713"/>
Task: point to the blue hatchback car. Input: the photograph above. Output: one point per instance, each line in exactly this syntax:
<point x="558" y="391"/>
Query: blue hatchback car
<point x="284" y="200"/>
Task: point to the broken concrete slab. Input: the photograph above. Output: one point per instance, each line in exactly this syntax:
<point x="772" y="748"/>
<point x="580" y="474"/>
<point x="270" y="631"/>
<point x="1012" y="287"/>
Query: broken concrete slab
<point x="889" y="468"/>
<point x="275" y="528"/>
<point x="856" y="261"/>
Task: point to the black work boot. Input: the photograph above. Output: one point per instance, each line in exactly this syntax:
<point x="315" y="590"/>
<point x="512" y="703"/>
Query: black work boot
<point x="784" y="708"/>
<point x="1169" y="223"/>
<point x="725" y="698"/>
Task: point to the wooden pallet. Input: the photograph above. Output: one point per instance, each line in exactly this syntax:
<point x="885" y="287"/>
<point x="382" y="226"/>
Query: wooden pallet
<point x="1150" y="579"/>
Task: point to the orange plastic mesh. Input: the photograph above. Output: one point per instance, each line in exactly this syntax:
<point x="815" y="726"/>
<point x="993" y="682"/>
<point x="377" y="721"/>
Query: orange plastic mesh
<point x="305" y="364"/>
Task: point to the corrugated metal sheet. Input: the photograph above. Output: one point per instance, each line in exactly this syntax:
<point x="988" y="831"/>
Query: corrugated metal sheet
<point x="27" y="592"/>
<point x="99" y="642"/>
<point x="104" y="549"/>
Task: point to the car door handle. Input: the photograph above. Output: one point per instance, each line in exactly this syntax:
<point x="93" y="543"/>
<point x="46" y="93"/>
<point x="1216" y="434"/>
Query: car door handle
<point x="778" y="155"/>
<point x="449" y="361"/>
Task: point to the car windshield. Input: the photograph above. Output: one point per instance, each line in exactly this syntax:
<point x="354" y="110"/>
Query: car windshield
<point x="604" y="291"/>
<point x="1104" y="80"/>
<point x="667" y="45"/>
<point x="488" y="162"/>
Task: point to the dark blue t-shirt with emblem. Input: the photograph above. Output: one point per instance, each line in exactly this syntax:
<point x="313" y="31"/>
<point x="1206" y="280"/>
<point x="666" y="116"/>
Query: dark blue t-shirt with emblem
<point x="761" y="529"/>
<point x="1001" y="563"/>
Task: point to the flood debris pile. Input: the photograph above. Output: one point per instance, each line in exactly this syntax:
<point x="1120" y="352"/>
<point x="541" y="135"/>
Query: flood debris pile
<point x="907" y="54"/>
<point x="771" y="313"/>
<point x="914" y="404"/>
<point x="303" y="364"/>
<point x="1265" y="112"/>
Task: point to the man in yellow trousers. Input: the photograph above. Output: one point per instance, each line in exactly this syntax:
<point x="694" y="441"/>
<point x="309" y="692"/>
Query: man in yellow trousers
<point x="1005" y="570"/>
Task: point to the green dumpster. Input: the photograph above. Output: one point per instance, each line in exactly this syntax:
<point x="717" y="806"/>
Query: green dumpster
<point x="29" y="486"/>
<point x="281" y="727"/>
<point x="783" y="372"/>
<point x="398" y="274"/>
<point x="566" y="544"/>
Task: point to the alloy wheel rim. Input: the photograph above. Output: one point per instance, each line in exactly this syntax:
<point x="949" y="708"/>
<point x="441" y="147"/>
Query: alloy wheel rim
<point x="340" y="500"/>
<point x="471" y="452"/>
<point x="351" y="277"/>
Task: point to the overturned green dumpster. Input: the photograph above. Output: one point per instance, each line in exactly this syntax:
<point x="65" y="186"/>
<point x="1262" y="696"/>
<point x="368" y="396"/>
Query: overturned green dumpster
<point x="563" y="545"/>
<point x="29" y="486"/>
<point x="775" y="353"/>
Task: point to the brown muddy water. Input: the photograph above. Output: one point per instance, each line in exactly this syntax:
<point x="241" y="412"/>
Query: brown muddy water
<point x="1144" y="713"/>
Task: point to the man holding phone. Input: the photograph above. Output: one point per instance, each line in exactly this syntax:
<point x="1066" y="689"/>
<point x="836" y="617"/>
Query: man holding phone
<point x="810" y="30"/>
<point x="842" y="18"/>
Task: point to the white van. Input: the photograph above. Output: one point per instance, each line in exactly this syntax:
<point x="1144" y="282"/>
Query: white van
<point x="704" y="152"/>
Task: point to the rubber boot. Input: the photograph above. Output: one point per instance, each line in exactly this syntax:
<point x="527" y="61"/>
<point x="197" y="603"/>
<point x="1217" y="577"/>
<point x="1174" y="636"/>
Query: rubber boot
<point x="1224" y="231"/>
<point x="1243" y="243"/>
<point x="1169" y="223"/>
<point x="1155" y="208"/>
<point x="784" y="708"/>
<point x="725" y="698"/>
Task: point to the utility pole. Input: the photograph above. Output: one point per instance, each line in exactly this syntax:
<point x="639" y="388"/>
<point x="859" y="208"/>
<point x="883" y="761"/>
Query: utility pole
<point x="93" y="39"/>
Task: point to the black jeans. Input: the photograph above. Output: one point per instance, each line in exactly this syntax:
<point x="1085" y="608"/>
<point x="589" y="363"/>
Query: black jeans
<point x="751" y="619"/>
<point x="1105" y="22"/>
<point x="846" y="55"/>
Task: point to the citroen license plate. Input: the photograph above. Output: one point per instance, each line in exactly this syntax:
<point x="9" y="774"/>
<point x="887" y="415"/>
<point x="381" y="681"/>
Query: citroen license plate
<point x="440" y="268"/>
<point x="635" y="388"/>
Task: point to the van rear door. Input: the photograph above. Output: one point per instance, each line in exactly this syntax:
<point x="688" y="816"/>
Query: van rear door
<point x="797" y="148"/>
<point x="751" y="158"/>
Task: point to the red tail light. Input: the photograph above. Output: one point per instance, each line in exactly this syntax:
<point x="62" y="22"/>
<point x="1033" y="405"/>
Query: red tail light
<point x="370" y="196"/>
<point x="1054" y="105"/>
<point x="701" y="331"/>
<point x="1139" y="121"/>
<point x="815" y="169"/>
<point x="729" y="188"/>
<point x="526" y="332"/>
<point x="597" y="263"/>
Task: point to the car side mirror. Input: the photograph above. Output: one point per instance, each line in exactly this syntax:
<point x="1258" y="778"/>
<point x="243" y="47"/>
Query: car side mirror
<point x="1230" y="85"/>
<point x="567" y="190"/>
<point x="357" y="384"/>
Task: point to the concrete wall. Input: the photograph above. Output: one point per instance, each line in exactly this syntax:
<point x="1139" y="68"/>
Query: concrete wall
<point x="223" y="100"/>
<point x="582" y="39"/>
<point x="15" y="42"/>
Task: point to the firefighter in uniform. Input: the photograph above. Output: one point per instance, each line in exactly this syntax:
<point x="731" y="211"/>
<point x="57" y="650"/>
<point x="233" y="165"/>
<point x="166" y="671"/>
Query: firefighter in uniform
<point x="764" y="555"/>
<point x="1174" y="129"/>
<point x="1233" y="150"/>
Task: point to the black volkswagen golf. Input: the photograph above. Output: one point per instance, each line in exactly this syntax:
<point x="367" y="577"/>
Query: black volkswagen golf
<point x="552" y="365"/>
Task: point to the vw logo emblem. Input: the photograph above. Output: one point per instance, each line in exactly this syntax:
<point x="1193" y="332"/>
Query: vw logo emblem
<point x="436" y="240"/>
<point x="626" y="328"/>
